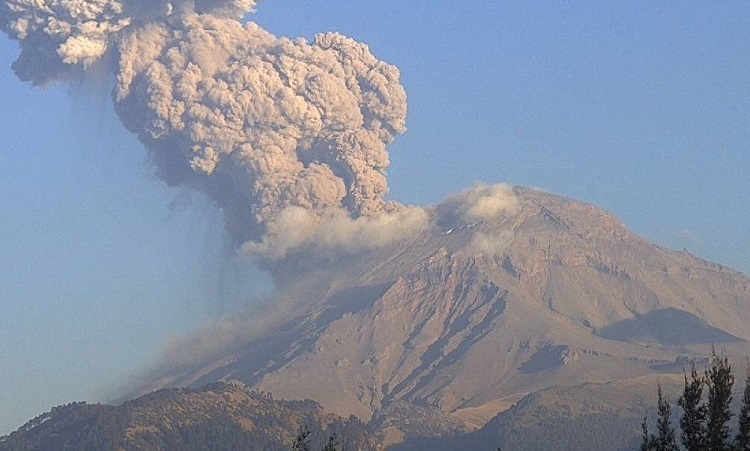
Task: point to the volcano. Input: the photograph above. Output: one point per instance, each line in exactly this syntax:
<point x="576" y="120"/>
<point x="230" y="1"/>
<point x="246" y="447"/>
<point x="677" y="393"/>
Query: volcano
<point x="443" y="329"/>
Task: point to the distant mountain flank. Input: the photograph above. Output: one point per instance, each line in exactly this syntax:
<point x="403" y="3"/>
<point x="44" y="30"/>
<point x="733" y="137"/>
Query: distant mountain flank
<point x="461" y="320"/>
<point x="510" y="317"/>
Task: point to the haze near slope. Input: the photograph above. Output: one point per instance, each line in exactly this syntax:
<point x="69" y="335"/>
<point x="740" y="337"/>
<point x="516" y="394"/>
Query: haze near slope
<point x="503" y="292"/>
<point x="454" y="311"/>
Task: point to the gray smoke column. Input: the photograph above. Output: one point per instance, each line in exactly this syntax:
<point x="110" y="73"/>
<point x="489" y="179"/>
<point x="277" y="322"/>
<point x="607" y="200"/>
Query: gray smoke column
<point x="61" y="37"/>
<point x="261" y="124"/>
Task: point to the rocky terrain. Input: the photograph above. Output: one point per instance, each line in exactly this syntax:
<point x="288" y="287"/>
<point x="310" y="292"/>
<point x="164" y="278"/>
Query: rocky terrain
<point x="546" y="324"/>
<point x="216" y="417"/>
<point x="439" y="332"/>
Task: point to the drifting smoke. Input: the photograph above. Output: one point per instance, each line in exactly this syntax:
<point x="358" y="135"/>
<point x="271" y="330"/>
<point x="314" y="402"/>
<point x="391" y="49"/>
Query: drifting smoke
<point x="480" y="203"/>
<point x="269" y="128"/>
<point x="288" y="137"/>
<point x="301" y="230"/>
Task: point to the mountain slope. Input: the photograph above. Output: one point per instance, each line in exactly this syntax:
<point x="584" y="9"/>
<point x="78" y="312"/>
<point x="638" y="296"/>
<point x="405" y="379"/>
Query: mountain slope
<point x="219" y="416"/>
<point x="588" y="417"/>
<point x="476" y="311"/>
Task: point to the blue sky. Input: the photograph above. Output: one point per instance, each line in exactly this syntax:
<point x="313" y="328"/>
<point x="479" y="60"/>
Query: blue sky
<point x="639" y="107"/>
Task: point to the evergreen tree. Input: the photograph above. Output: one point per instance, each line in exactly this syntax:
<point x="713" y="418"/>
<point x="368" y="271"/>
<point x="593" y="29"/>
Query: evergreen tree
<point x="648" y="442"/>
<point x="302" y="442"/>
<point x="719" y="379"/>
<point x="693" y="421"/>
<point x="742" y="441"/>
<point x="332" y="444"/>
<point x="666" y="440"/>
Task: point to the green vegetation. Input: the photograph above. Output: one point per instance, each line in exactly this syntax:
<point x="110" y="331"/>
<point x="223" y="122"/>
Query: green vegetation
<point x="705" y="424"/>
<point x="665" y="440"/>
<point x="693" y="436"/>
<point x="221" y="417"/>
<point x="742" y="441"/>
<point x="302" y="442"/>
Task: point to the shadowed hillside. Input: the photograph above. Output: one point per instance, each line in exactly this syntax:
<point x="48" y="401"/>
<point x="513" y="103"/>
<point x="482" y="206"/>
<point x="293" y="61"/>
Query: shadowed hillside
<point x="216" y="417"/>
<point x="481" y="308"/>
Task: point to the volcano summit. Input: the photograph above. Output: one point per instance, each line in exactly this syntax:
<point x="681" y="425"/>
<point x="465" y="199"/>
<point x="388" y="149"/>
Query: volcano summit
<point x="502" y="292"/>
<point x="420" y="321"/>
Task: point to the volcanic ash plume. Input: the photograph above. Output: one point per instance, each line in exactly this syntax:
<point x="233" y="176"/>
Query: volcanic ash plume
<point x="60" y="37"/>
<point x="259" y="123"/>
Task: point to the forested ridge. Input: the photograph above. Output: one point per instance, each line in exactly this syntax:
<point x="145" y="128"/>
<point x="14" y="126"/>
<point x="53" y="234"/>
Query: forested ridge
<point x="216" y="417"/>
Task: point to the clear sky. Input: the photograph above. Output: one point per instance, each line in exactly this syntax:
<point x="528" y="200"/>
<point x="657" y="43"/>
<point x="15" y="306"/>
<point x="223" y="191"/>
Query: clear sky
<point x="639" y="107"/>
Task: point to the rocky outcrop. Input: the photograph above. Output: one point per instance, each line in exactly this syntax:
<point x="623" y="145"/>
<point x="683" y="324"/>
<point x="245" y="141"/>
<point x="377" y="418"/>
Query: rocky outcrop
<point x="466" y="318"/>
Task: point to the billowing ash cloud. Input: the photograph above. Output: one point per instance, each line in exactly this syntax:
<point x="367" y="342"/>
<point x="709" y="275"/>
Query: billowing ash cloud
<point x="288" y="137"/>
<point x="301" y="230"/>
<point x="481" y="203"/>
<point x="59" y="37"/>
<point x="259" y="123"/>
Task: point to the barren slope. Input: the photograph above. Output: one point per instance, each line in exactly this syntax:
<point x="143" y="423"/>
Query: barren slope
<point x="468" y="317"/>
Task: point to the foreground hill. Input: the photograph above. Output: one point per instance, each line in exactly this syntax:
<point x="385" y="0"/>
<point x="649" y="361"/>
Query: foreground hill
<point x="588" y="417"/>
<point x="216" y="417"/>
<point x="460" y="321"/>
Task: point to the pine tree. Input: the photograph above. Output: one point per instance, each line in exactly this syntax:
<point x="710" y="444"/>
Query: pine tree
<point x="333" y="444"/>
<point x="302" y="442"/>
<point x="693" y="421"/>
<point x="666" y="440"/>
<point x="742" y="441"/>
<point x="719" y="379"/>
<point x="648" y="442"/>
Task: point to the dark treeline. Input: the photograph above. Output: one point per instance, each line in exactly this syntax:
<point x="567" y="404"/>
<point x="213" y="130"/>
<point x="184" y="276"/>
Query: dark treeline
<point x="221" y="417"/>
<point x="706" y="422"/>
